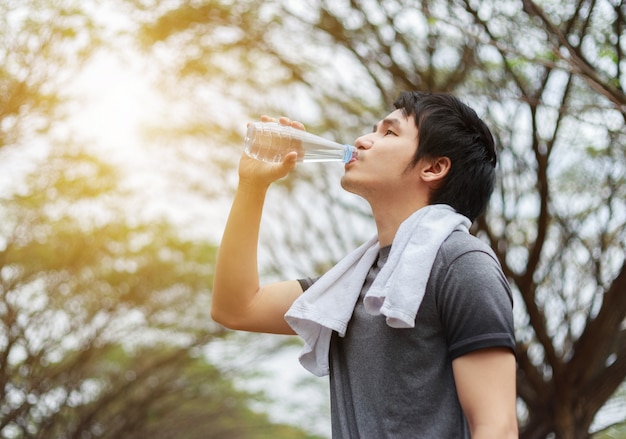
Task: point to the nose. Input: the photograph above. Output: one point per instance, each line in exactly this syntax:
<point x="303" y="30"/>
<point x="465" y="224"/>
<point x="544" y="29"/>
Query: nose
<point x="364" y="142"/>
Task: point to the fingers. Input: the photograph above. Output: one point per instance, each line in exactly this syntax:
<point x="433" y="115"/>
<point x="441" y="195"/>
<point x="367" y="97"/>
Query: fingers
<point x="284" y="121"/>
<point x="294" y="123"/>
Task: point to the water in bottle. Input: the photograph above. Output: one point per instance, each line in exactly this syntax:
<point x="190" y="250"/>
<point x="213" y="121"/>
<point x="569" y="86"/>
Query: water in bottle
<point x="270" y="141"/>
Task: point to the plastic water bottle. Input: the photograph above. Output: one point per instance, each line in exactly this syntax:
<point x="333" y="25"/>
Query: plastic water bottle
<point x="270" y="141"/>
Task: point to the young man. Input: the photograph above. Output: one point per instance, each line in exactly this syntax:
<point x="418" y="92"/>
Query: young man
<point x="414" y="327"/>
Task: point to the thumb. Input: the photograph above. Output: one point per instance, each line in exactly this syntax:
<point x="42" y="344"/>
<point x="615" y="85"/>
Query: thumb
<point x="280" y="170"/>
<point x="289" y="162"/>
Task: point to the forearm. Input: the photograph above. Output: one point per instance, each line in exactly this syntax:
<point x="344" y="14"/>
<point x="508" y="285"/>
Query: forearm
<point x="236" y="279"/>
<point x="495" y="431"/>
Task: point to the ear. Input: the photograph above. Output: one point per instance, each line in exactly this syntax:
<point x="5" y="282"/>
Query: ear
<point x="434" y="170"/>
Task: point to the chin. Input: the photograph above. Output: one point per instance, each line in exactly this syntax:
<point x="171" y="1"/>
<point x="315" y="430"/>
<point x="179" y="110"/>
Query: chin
<point x="350" y="185"/>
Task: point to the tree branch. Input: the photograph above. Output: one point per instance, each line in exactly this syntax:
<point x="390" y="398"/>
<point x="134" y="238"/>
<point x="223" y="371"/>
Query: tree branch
<point x="593" y="347"/>
<point x="578" y="64"/>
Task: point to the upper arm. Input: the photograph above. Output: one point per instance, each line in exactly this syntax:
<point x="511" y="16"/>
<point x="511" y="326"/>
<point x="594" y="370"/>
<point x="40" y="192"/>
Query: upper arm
<point x="476" y="311"/>
<point x="266" y="311"/>
<point x="485" y="382"/>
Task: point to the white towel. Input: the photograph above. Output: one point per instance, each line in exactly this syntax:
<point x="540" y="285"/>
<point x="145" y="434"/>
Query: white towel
<point x="396" y="292"/>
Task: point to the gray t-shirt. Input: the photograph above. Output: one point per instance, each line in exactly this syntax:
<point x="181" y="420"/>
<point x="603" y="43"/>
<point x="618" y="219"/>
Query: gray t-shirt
<point x="398" y="383"/>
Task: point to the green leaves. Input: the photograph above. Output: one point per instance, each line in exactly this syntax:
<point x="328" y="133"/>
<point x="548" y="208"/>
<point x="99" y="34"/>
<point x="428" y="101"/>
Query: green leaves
<point x="103" y="322"/>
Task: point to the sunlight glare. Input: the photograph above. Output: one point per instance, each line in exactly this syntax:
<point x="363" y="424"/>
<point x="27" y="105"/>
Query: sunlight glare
<point x="116" y="101"/>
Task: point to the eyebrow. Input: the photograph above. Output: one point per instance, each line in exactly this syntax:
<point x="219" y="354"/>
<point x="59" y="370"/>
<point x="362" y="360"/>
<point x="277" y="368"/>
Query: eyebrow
<point x="392" y="121"/>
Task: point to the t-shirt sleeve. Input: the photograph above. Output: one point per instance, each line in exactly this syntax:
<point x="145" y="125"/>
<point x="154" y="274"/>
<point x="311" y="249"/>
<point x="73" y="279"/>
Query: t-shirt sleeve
<point x="307" y="282"/>
<point x="475" y="303"/>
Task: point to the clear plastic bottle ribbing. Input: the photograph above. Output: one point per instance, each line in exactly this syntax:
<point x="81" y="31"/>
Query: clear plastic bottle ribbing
<point x="270" y="141"/>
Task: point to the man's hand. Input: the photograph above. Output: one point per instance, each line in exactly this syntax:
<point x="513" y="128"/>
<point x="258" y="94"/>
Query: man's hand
<point x="260" y="174"/>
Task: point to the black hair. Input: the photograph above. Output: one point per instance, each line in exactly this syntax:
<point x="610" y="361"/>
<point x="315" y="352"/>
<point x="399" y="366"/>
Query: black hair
<point x="449" y="128"/>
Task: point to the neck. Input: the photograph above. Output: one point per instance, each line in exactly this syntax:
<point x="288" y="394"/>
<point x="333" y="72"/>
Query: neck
<point x="388" y="219"/>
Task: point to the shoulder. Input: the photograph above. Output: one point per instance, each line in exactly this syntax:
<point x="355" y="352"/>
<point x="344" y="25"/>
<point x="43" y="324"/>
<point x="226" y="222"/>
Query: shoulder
<point x="466" y="263"/>
<point x="462" y="243"/>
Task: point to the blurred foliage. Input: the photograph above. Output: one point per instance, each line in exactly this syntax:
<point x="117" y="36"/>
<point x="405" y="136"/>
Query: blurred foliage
<point x="42" y="44"/>
<point x="104" y="321"/>
<point x="549" y="79"/>
<point x="613" y="432"/>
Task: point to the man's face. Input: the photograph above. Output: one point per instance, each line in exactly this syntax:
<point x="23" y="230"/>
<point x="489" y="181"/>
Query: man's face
<point x="383" y="156"/>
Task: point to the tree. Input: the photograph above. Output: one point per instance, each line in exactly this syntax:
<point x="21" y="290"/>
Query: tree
<point x="565" y="257"/>
<point x="103" y="317"/>
<point x="43" y="43"/>
<point x="548" y="77"/>
<point x="104" y="323"/>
